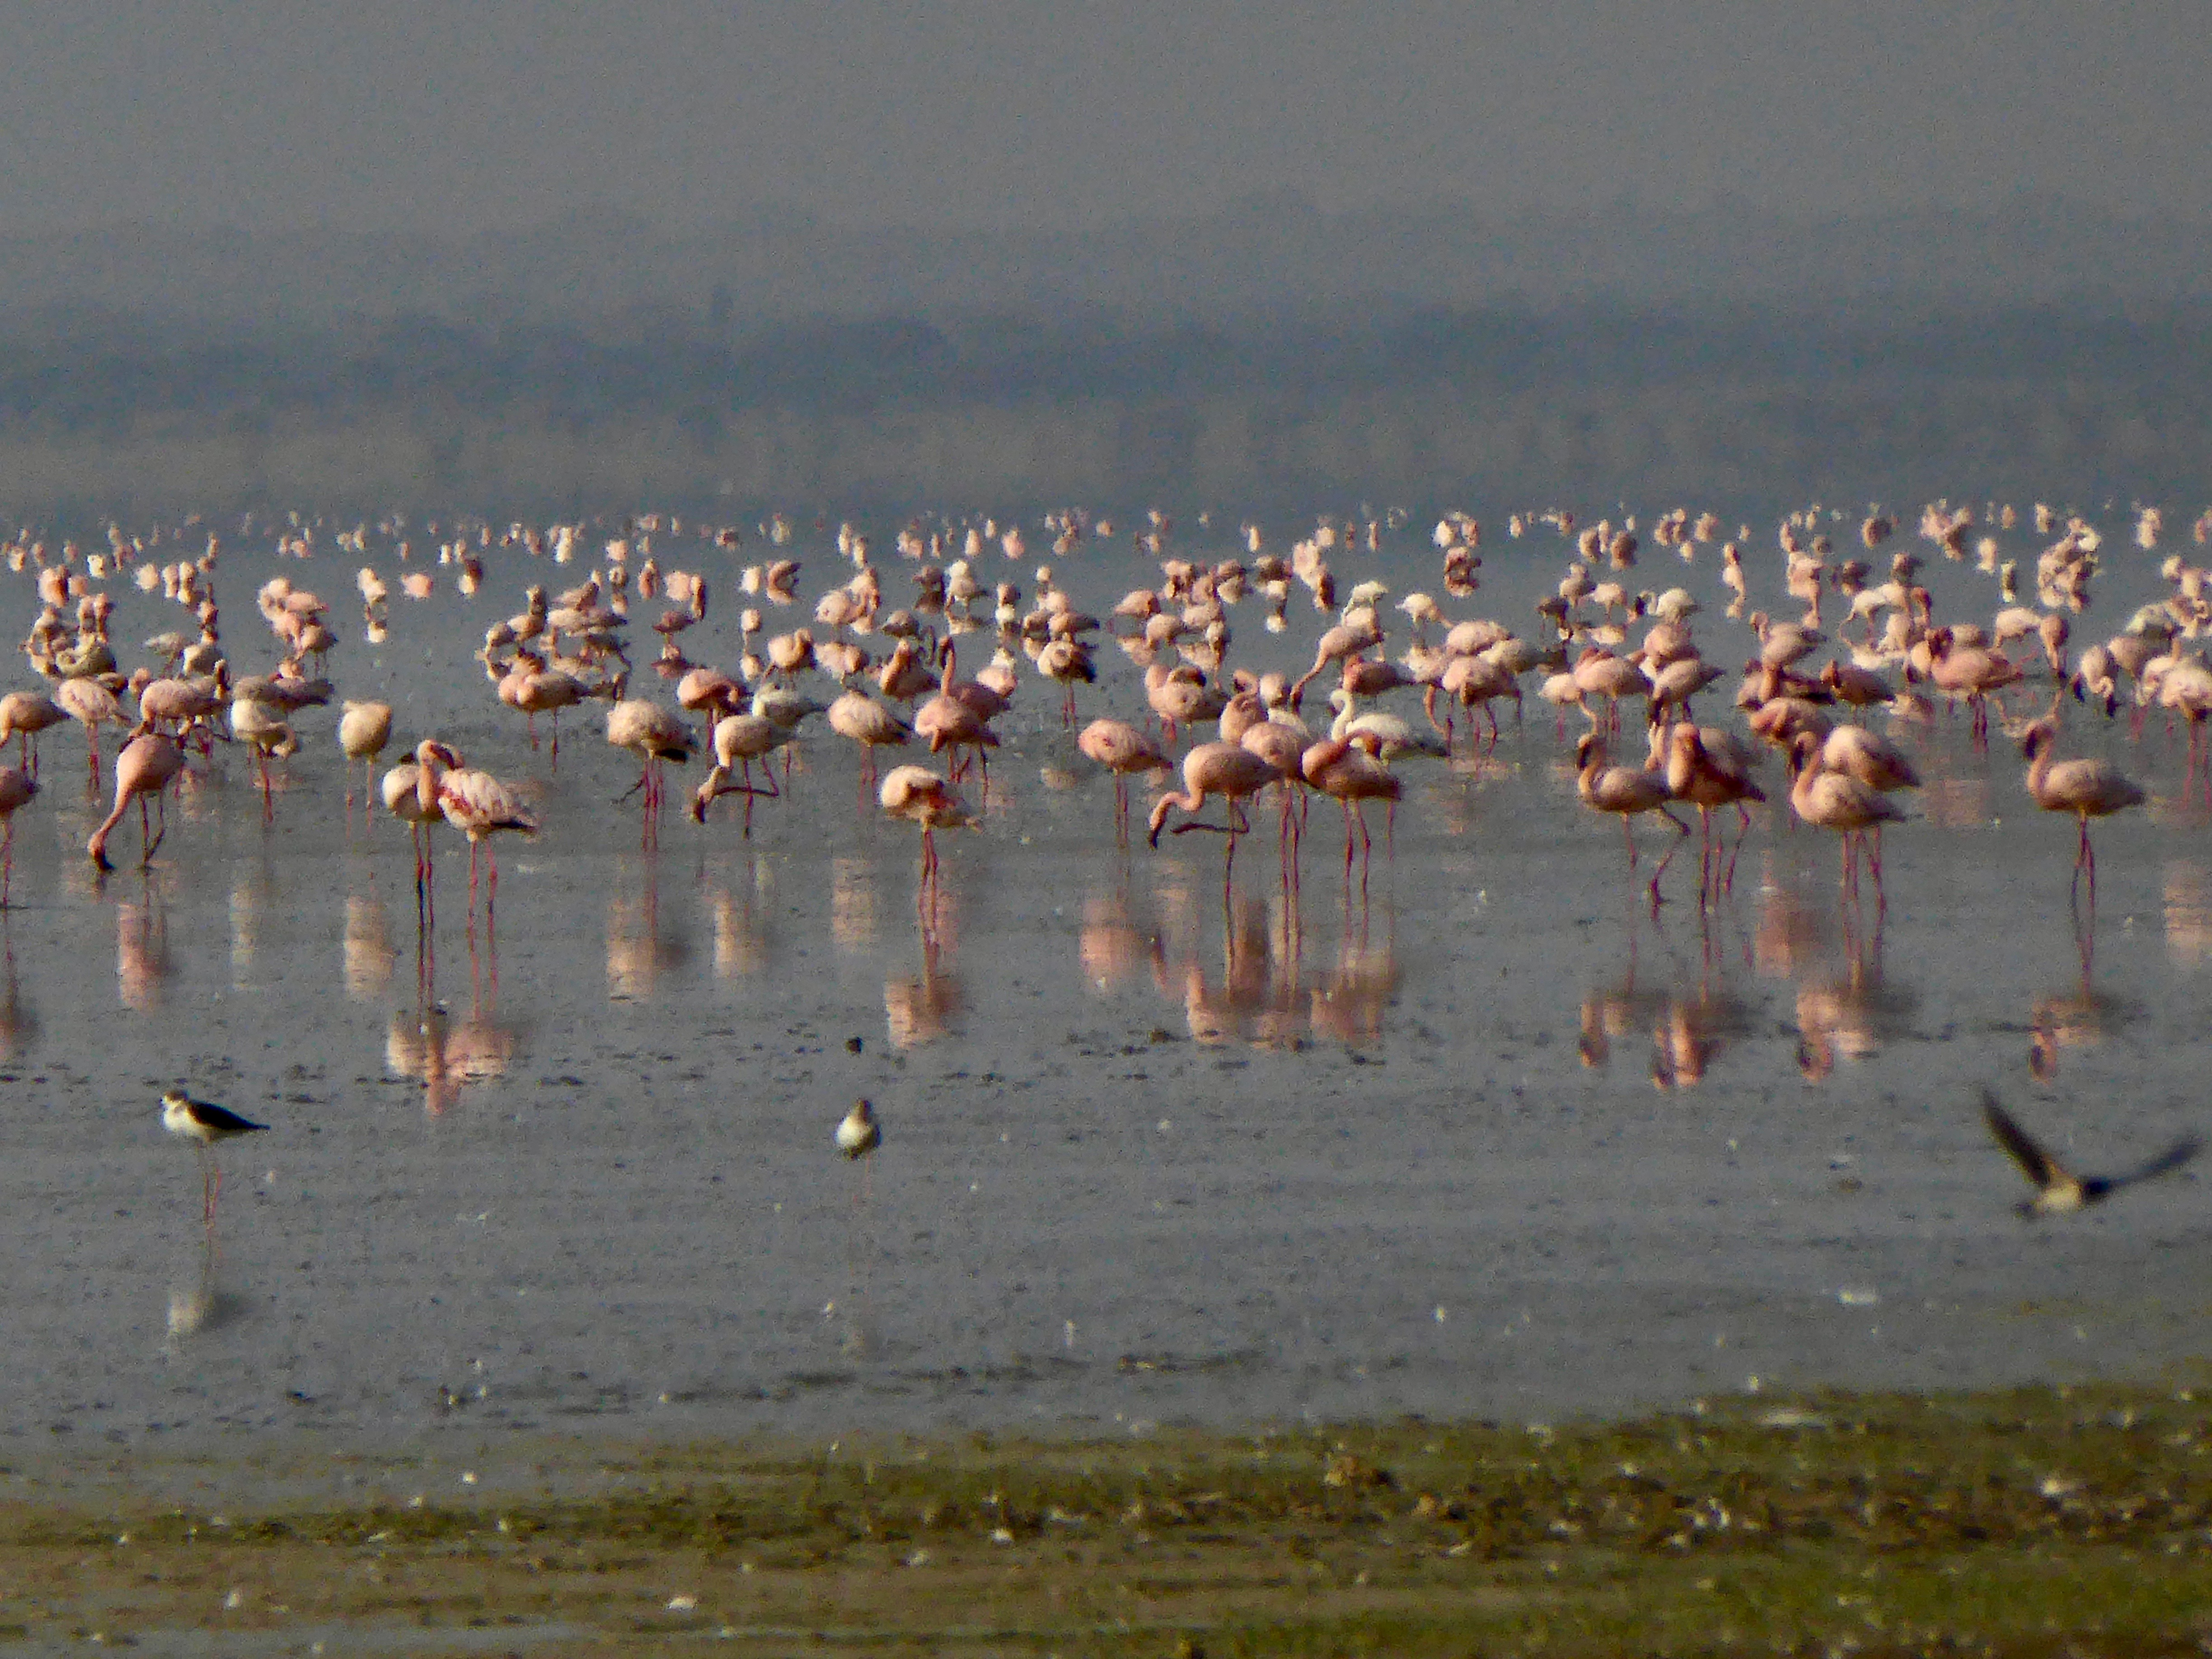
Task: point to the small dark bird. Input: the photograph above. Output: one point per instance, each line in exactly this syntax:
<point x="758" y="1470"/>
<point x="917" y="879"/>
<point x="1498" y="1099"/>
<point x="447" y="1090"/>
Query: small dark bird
<point x="205" y="1123"/>
<point x="2059" y="1191"/>
<point x="857" y="1134"/>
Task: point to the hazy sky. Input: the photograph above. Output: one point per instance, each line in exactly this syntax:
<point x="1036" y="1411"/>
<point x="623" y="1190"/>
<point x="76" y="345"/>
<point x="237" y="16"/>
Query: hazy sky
<point x="452" y="116"/>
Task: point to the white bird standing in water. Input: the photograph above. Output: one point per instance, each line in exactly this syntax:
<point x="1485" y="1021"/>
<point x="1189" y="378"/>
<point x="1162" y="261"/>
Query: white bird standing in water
<point x="858" y="1133"/>
<point x="203" y="1122"/>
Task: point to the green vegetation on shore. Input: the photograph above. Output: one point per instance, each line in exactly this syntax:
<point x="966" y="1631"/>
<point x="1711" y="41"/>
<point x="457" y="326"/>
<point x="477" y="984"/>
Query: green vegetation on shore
<point x="2039" y="1522"/>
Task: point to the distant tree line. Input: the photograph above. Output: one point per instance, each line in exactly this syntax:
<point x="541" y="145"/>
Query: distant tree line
<point x="657" y="404"/>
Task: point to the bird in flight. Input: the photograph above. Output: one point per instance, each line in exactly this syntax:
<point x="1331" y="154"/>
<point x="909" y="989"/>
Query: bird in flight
<point x="2059" y="1191"/>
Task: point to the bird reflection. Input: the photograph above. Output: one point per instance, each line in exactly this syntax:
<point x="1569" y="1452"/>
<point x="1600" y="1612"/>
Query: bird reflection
<point x="369" y="952"/>
<point x="740" y="946"/>
<point x="142" y="954"/>
<point x="1852" y="1017"/>
<point x="639" y="947"/>
<point x="1791" y="934"/>
<point x="919" y="1010"/>
<point x="1688" y="1035"/>
<point x="19" y="1022"/>
<point x="1110" y="945"/>
<point x="852" y="904"/>
<point x="249" y="903"/>
<point x="1256" y="996"/>
<point x="1348" y="1008"/>
<point x="2071" y="1019"/>
<point x="2187" y="899"/>
<point x="1686" y="1032"/>
<point x="197" y="1304"/>
<point x="1613" y="1014"/>
<point x="446" y="1054"/>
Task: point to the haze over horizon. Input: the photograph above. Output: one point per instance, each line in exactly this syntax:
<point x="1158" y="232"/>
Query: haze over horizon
<point x="271" y="115"/>
<point x="380" y="250"/>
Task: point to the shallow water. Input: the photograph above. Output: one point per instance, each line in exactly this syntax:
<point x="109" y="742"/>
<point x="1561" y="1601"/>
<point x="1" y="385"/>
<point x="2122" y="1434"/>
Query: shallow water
<point x="1477" y="1135"/>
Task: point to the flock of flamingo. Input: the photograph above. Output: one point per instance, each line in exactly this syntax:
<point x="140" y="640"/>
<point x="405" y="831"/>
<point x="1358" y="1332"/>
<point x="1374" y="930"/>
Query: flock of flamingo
<point x="888" y="674"/>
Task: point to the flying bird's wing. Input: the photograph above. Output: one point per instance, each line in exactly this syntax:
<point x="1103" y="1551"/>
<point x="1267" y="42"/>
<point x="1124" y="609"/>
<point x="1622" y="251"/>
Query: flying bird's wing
<point x="2037" y="1164"/>
<point x="2165" y="1164"/>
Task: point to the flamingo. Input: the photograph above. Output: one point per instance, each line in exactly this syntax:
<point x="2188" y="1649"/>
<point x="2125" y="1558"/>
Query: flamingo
<point x="655" y="737"/>
<point x="411" y="792"/>
<point x="363" y="731"/>
<point x="1351" y="776"/>
<point x="1229" y="771"/>
<point x="1973" y="671"/>
<point x="537" y="689"/>
<point x="1121" y="750"/>
<point x="2086" y="788"/>
<point x="91" y="705"/>
<point x="1284" y="746"/>
<point x="23" y="715"/>
<point x="1068" y="662"/>
<point x="182" y="703"/>
<point x="1626" y="793"/>
<point x="920" y="797"/>
<point x="1838" y="801"/>
<point x="265" y="730"/>
<point x="861" y="718"/>
<point x="144" y="767"/>
<point x="479" y="805"/>
<point x="1707" y="777"/>
<point x="948" y="721"/>
<point x="739" y="740"/>
<point x="16" y="788"/>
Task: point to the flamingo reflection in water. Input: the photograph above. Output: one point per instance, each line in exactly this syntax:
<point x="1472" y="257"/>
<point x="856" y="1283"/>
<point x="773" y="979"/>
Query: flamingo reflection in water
<point x="369" y="953"/>
<point x="1256" y="997"/>
<point x="919" y="1010"/>
<point x="1851" y="1017"/>
<point x="2081" y="1018"/>
<point x="641" y="945"/>
<point x="19" y="1020"/>
<point x="445" y="1055"/>
<point x="142" y="966"/>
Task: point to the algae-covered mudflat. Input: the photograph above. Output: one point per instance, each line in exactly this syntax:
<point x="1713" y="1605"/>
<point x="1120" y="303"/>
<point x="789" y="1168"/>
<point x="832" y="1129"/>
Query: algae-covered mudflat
<point x="2043" y="1521"/>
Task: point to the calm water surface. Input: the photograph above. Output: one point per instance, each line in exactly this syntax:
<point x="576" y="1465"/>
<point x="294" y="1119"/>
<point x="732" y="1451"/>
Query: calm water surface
<point x="1479" y="1135"/>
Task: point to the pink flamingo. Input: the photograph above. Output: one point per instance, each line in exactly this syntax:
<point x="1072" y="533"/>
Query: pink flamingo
<point x="1121" y="750"/>
<point x="478" y="805"/>
<point x="1626" y="793"/>
<point x="920" y="797"/>
<point x="411" y="792"/>
<point x="1229" y="771"/>
<point x="655" y="737"/>
<point x="144" y="767"/>
<point x="1838" y="801"/>
<point x="16" y="787"/>
<point x="950" y="720"/>
<point x="1351" y="776"/>
<point x="2086" y="788"/>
